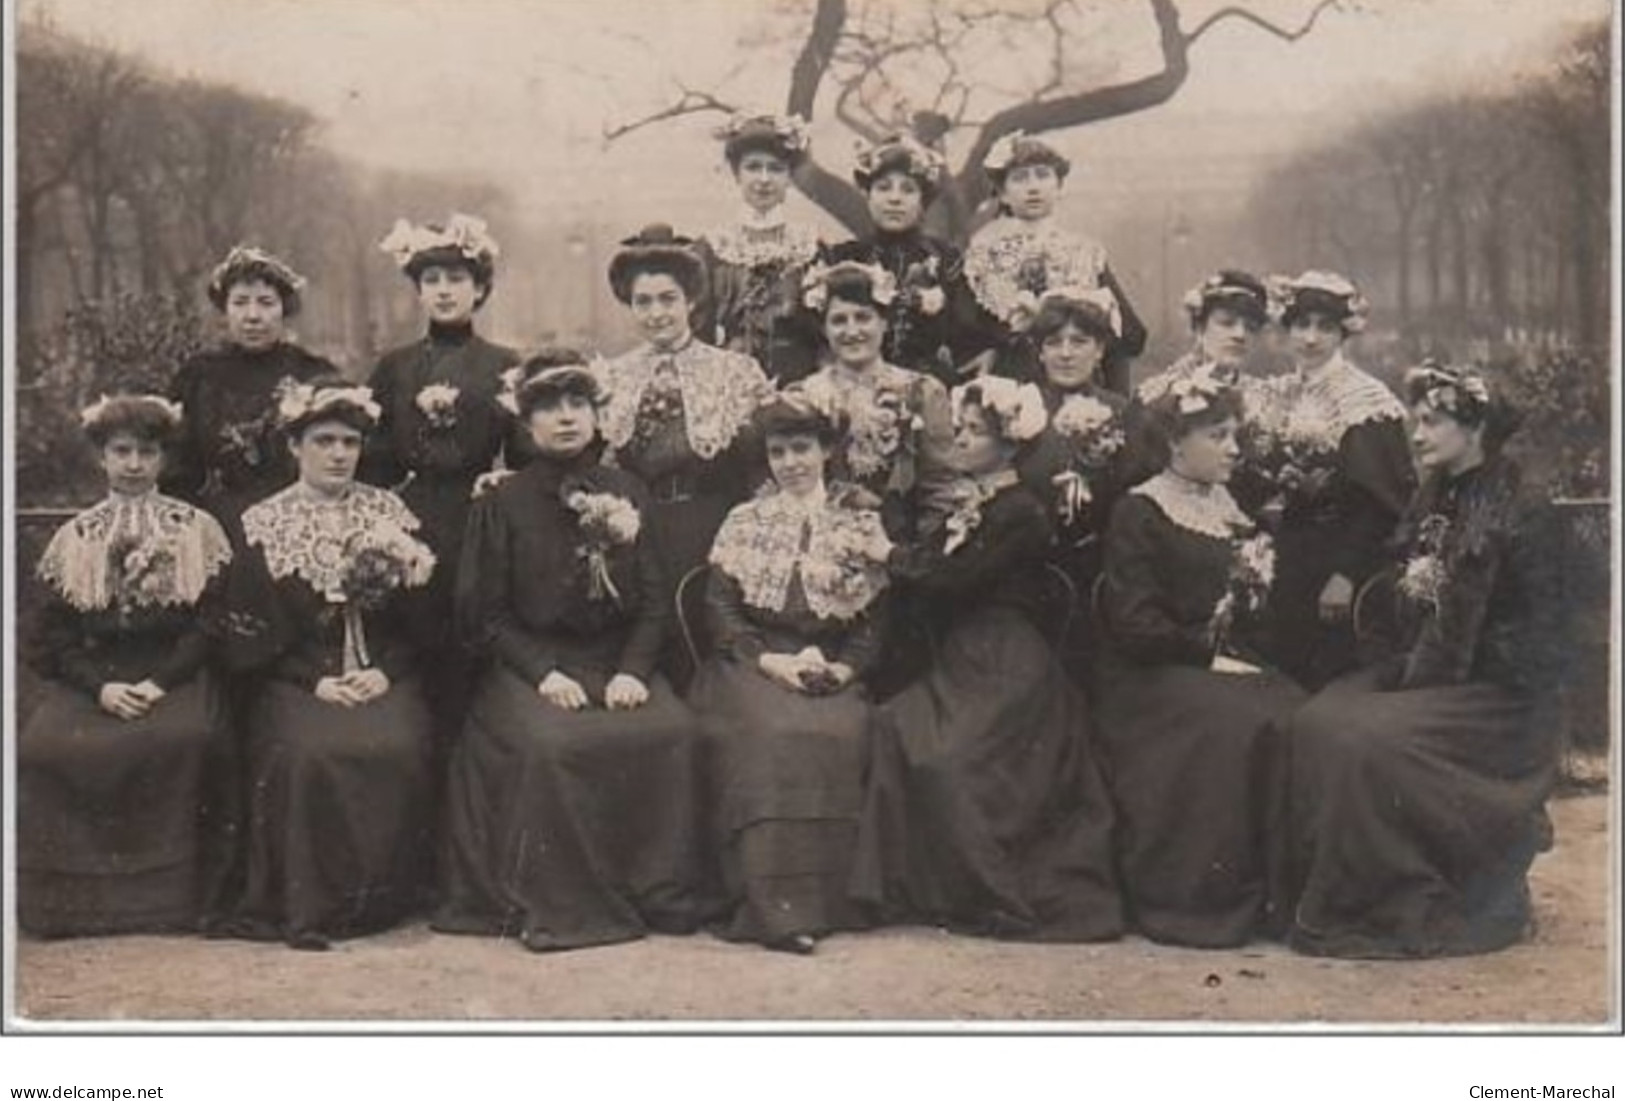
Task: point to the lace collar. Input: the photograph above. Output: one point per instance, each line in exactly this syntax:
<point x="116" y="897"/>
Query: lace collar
<point x="138" y="551"/>
<point x="760" y="546"/>
<point x="1347" y="396"/>
<point x="1205" y="510"/>
<point x="880" y="407"/>
<point x="720" y="389"/>
<point x="305" y="534"/>
<point x="1009" y="263"/>
<point x="754" y="239"/>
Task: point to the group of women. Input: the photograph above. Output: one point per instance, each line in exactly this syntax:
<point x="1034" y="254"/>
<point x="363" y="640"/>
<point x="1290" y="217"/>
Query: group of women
<point x="861" y="591"/>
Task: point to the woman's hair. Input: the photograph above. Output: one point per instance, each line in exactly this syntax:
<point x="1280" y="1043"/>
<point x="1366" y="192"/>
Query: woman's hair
<point x="1055" y="314"/>
<point x="482" y="268"/>
<point x="244" y="264"/>
<point x="1184" y="409"/>
<point x="147" y="417"/>
<point x="546" y="385"/>
<point x="1014" y="410"/>
<point x="1231" y="289"/>
<point x="904" y="155"/>
<point x="1465" y="396"/>
<point x="1019" y="150"/>
<point x="1325" y="293"/>
<point x="791" y="413"/>
<point x="328" y="399"/>
<point x="782" y="136"/>
<point x="656" y="250"/>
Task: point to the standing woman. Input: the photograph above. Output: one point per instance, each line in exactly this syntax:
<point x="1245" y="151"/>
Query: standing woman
<point x="1419" y="786"/>
<point x="793" y="608"/>
<point x="932" y="324"/>
<point x="1336" y="523"/>
<point x="442" y="424"/>
<point x="338" y="731"/>
<point x="572" y="799"/>
<point x="116" y="769"/>
<point x="754" y="264"/>
<point x="1190" y="719"/>
<point x="1014" y="259"/>
<point x="230" y="453"/>
<point x="675" y="407"/>
<point x="985" y="809"/>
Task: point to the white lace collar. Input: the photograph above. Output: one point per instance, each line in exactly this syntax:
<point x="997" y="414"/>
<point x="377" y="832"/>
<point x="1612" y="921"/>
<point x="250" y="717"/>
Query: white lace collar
<point x="754" y="239"/>
<point x="304" y="534"/>
<point x="721" y="390"/>
<point x="1205" y="510"/>
<point x="1346" y="395"/>
<point x="1005" y="255"/>
<point x="138" y="551"/>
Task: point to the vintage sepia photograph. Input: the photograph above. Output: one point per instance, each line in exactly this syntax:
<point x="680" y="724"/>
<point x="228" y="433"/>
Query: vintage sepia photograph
<point x="802" y="515"/>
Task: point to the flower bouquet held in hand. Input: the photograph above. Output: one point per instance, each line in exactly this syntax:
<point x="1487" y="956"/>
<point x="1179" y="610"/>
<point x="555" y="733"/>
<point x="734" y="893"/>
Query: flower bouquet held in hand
<point x="1289" y="442"/>
<point x="1094" y="435"/>
<point x="378" y="562"/>
<point x="1252" y="572"/>
<point x="842" y="576"/>
<point x="1423" y="578"/>
<point x="143" y="572"/>
<point x="606" y="521"/>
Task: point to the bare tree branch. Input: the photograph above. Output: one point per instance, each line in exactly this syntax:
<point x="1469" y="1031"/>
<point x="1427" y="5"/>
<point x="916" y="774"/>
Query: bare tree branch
<point x="1260" y="22"/>
<point x="690" y="102"/>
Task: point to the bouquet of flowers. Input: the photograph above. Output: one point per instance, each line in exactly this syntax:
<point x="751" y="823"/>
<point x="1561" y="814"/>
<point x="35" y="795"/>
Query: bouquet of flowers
<point x="377" y="562"/>
<point x="606" y="521"/>
<point x="968" y="497"/>
<point x="143" y="571"/>
<point x="841" y="569"/>
<point x="1290" y="442"/>
<point x="1252" y="572"/>
<point x="922" y="287"/>
<point x="438" y="404"/>
<point x="1424" y="576"/>
<point x="1092" y="430"/>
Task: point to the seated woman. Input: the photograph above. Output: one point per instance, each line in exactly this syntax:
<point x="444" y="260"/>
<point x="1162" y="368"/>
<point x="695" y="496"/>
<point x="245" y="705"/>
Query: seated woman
<point x="338" y="730"/>
<point x="985" y="809"/>
<point x="571" y="802"/>
<point x="1189" y="720"/>
<point x="793" y="608"/>
<point x="933" y="322"/>
<point x="1419" y="785"/>
<point x="117" y="767"/>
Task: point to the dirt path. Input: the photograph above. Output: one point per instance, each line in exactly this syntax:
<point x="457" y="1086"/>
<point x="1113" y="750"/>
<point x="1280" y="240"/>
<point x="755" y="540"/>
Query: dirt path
<point x="1561" y="976"/>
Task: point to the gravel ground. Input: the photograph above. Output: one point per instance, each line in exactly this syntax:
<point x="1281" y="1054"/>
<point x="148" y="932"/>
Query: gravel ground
<point x="1561" y="976"/>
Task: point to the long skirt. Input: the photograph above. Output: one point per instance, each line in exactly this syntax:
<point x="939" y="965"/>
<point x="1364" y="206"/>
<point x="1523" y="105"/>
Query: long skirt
<point x="441" y="504"/>
<point x="570" y="828"/>
<point x="1416" y="816"/>
<point x="985" y="809"/>
<point x="785" y="784"/>
<point x="338" y="831"/>
<point x="1197" y="764"/>
<point x="113" y="814"/>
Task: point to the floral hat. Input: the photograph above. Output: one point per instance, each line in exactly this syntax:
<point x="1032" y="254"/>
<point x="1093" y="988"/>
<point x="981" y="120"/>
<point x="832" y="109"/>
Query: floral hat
<point x="1202" y="389"/>
<point x="783" y="135"/>
<point x="1231" y="289"/>
<point x="463" y="239"/>
<point x="799" y="408"/>
<point x="1097" y="307"/>
<point x="1017" y="407"/>
<point x="1016" y="149"/>
<point x="146" y="415"/>
<point x="1320" y="292"/>
<point x="246" y="263"/>
<point x="816" y="283"/>
<point x="899" y="153"/>
<point x="1459" y="391"/>
<point x="301" y="403"/>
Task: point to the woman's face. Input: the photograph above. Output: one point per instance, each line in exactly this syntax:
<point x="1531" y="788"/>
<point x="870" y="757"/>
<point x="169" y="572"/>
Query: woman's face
<point x="254" y="314"/>
<point x="327" y="453"/>
<point x="1070" y="356"/>
<point x="764" y="180"/>
<point x="1440" y="441"/>
<point x="854" y="331"/>
<point x="660" y="308"/>
<point x="978" y="447"/>
<point x="1031" y="190"/>
<point x="896" y="202"/>
<point x="1314" y="338"/>
<point x="565" y="427"/>
<point x="131" y="463"/>
<point x="1207" y="454"/>
<point x="1226" y="336"/>
<point x="796" y="461"/>
<point x="448" y="293"/>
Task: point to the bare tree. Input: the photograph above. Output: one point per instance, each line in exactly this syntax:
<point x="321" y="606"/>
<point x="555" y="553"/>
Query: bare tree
<point x="880" y="67"/>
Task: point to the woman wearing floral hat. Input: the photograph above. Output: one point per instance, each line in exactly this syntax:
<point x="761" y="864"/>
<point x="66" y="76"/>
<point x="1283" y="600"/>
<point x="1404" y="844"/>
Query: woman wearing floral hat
<point x="1015" y="258"/>
<point x="932" y="323"/>
<point x="230" y="454"/>
<point x="1190" y="718"/>
<point x="1333" y="444"/>
<point x="754" y="263"/>
<point x="321" y="612"/>
<point x="1419" y="784"/>
<point x="119" y="777"/>
<point x="985" y="809"/>
<point x="442" y="423"/>
<point x="572" y="808"/>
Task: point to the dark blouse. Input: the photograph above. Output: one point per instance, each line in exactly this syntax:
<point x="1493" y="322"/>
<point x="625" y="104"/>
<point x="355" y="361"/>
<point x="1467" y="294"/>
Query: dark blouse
<point x="166" y="644"/>
<point x="746" y="632"/>
<point x="1053" y="454"/>
<point x="524" y="590"/>
<point x="757" y="310"/>
<point x="231" y="453"/>
<point x="1353" y="518"/>
<point x="405" y="442"/>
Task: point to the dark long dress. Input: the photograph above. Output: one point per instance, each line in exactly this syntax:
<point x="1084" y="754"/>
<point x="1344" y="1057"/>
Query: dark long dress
<point x="753" y="300"/>
<point x="121" y="825"/>
<point x="985" y="808"/>
<point x="786" y="768"/>
<point x="934" y="325"/>
<point x="1419" y="785"/>
<point x="567" y="829"/>
<point x="231" y="453"/>
<point x="438" y="466"/>
<point x="1195" y="756"/>
<point x="339" y="826"/>
<point x="1343" y="529"/>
